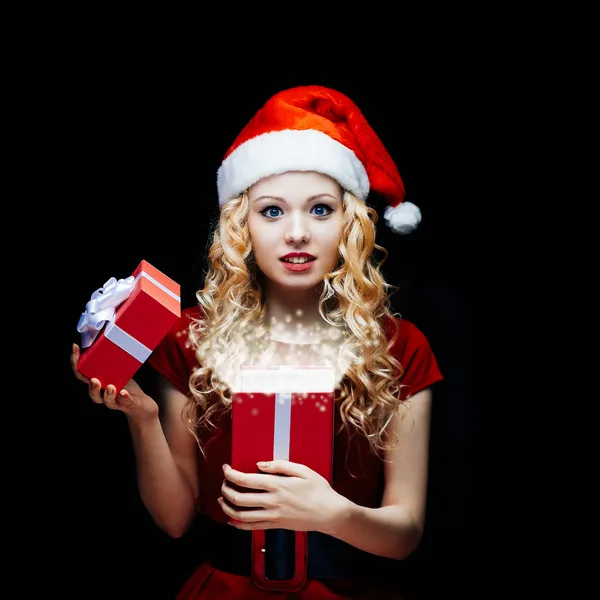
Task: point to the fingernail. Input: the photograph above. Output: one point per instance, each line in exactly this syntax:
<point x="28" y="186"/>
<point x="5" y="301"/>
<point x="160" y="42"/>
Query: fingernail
<point x="263" y="465"/>
<point x="122" y="393"/>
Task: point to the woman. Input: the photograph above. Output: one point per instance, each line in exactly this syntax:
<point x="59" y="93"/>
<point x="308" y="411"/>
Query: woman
<point x="292" y="281"/>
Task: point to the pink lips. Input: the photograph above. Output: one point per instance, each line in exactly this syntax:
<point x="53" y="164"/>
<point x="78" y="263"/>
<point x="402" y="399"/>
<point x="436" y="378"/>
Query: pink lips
<point x="297" y="255"/>
<point x="298" y="266"/>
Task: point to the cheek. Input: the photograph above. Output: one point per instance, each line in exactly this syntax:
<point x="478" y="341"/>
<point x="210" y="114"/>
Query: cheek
<point x="333" y="245"/>
<point x="257" y="236"/>
<point x="262" y="251"/>
<point x="262" y="244"/>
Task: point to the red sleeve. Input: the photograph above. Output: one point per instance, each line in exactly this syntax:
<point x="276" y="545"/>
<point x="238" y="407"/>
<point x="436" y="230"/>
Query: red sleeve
<point x="414" y="353"/>
<point x="174" y="357"/>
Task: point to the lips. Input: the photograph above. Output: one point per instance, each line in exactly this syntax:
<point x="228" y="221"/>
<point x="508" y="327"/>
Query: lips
<point x="298" y="267"/>
<point x="292" y="261"/>
<point x="304" y="265"/>
<point x="298" y="255"/>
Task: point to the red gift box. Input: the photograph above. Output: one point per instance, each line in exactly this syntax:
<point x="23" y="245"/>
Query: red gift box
<point x="283" y="413"/>
<point x="124" y="322"/>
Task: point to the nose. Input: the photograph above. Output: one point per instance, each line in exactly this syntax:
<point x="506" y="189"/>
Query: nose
<point x="297" y="232"/>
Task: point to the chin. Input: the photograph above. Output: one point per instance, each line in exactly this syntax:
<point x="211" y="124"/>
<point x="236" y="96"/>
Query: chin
<point x="295" y="281"/>
<point x="305" y="283"/>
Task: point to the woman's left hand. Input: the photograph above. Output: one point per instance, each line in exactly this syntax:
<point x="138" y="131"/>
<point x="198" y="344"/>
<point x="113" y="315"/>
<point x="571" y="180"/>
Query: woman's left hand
<point x="302" y="501"/>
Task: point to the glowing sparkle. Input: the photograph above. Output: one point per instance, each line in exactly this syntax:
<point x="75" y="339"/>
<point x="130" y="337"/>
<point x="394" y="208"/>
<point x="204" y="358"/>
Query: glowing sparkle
<point x="299" y="312"/>
<point x="254" y="412"/>
<point x="288" y="318"/>
<point x="322" y="408"/>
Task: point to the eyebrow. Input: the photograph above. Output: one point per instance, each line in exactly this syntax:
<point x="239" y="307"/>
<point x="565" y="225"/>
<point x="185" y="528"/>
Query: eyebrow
<point x="308" y="201"/>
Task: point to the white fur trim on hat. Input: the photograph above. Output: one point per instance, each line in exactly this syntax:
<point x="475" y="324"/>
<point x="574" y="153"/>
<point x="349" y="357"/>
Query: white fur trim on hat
<point x="290" y="150"/>
<point x="402" y="218"/>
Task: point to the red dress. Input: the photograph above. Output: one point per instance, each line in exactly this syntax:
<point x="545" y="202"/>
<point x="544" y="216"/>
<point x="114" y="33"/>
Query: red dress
<point x="357" y="472"/>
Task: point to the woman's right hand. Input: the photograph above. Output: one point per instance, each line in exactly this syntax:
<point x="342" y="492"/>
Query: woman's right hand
<point x="131" y="400"/>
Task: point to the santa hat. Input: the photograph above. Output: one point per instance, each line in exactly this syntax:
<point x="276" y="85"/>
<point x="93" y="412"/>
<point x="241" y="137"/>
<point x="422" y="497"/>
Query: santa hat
<point x="313" y="128"/>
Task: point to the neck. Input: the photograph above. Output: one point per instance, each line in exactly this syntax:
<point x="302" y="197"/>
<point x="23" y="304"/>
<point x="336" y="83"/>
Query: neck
<point x="293" y="315"/>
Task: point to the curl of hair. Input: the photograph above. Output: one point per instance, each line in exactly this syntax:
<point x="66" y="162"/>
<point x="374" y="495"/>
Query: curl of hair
<point x="354" y="299"/>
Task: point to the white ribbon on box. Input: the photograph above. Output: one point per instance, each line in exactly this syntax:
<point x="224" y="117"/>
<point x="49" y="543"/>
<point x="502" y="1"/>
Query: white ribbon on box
<point x="101" y="310"/>
<point x="283" y="382"/>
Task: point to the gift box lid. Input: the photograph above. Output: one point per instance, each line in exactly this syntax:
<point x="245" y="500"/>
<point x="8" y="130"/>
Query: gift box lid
<point x="156" y="298"/>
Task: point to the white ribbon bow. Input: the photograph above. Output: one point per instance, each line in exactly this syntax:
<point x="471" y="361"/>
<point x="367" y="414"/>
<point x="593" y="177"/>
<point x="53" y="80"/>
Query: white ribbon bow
<point x="102" y="308"/>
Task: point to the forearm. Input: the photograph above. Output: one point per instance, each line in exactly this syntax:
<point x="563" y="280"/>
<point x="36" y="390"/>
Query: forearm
<point x="164" y="489"/>
<point x="389" y="531"/>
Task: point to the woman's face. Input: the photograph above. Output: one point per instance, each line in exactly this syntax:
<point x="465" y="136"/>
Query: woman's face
<point x="299" y="212"/>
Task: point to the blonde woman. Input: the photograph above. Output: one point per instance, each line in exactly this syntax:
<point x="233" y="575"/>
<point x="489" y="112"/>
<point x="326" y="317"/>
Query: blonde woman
<point x="292" y="280"/>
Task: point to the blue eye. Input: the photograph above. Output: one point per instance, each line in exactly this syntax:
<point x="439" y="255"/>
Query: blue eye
<point x="269" y="208"/>
<point x="319" y="206"/>
<point x="266" y="212"/>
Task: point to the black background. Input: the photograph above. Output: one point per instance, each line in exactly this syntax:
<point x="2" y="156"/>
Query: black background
<point x="150" y="99"/>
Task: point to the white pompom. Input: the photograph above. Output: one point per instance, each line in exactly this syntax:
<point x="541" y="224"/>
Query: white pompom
<point x="403" y="218"/>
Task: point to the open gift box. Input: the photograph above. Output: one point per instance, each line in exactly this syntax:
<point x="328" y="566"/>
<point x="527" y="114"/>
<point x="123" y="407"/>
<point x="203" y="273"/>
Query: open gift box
<point x="283" y="413"/>
<point x="123" y="323"/>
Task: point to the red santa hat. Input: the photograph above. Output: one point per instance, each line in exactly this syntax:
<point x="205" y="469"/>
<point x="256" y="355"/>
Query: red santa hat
<point x="313" y="128"/>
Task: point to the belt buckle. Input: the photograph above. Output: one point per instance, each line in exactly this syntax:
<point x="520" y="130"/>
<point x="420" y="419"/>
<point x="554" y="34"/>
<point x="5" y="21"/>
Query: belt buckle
<point x="299" y="578"/>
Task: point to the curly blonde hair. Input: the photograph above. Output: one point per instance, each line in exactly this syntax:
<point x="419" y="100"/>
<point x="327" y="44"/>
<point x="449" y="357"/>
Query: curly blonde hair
<point x="354" y="300"/>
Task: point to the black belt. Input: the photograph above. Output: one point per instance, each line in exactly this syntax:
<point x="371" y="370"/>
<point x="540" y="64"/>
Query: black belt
<point x="229" y="549"/>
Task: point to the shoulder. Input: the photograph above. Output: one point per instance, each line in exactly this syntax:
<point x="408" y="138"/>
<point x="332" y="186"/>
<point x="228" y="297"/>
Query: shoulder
<point x="404" y="332"/>
<point x="181" y="326"/>
<point x="411" y="348"/>
<point x="174" y="357"/>
<point x="189" y="314"/>
<point x="180" y="329"/>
